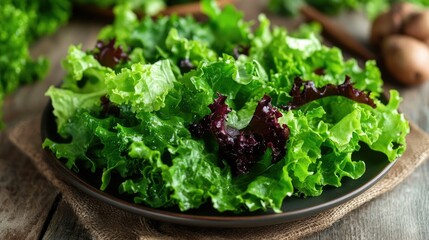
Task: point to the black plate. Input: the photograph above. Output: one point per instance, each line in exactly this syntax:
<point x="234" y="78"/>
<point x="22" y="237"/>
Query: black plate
<point x="294" y="208"/>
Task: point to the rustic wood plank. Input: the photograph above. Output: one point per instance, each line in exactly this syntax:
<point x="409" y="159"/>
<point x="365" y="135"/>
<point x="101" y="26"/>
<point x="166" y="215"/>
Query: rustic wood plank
<point x="25" y="196"/>
<point x="415" y="104"/>
<point x="399" y="214"/>
<point x="64" y="225"/>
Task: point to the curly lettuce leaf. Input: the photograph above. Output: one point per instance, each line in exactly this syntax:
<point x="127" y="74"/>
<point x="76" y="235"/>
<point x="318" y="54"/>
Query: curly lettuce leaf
<point x="151" y="188"/>
<point x="150" y="35"/>
<point x="228" y="25"/>
<point x="67" y="103"/>
<point x="80" y="131"/>
<point x="320" y="150"/>
<point x="19" y="28"/>
<point x="239" y="81"/>
<point x="125" y="22"/>
<point x="394" y="128"/>
<point x="182" y="48"/>
<point x="193" y="174"/>
<point x="289" y="57"/>
<point x="16" y="65"/>
<point x="84" y="73"/>
<point x="45" y="17"/>
<point x="144" y="87"/>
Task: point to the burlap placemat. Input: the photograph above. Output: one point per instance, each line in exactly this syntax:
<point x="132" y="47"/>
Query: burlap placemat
<point x="106" y="222"/>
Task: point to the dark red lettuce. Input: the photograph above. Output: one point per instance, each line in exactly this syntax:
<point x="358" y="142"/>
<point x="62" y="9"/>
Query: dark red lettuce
<point x="304" y="92"/>
<point x="186" y="65"/>
<point x="108" y="55"/>
<point x="108" y="108"/>
<point x="243" y="148"/>
<point x="241" y="50"/>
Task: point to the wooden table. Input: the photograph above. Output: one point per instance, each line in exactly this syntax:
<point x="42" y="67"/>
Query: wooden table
<point x="30" y="208"/>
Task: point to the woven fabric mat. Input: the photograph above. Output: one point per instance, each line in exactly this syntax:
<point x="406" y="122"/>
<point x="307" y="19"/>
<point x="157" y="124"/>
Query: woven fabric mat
<point x="107" y="222"/>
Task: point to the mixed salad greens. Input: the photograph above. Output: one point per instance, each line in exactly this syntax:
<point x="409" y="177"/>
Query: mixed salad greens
<point x="25" y="21"/>
<point x="187" y="113"/>
<point x="371" y="7"/>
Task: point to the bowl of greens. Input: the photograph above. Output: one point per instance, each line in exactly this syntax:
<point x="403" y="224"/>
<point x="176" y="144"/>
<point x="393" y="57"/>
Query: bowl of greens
<point x="216" y="124"/>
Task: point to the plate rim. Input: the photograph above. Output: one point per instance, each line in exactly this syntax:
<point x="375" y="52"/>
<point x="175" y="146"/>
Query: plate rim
<point x="238" y="221"/>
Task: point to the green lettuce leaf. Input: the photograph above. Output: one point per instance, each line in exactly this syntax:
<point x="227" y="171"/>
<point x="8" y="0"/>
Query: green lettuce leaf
<point x="67" y="103"/>
<point x="16" y="65"/>
<point x="84" y="73"/>
<point x="144" y="87"/>
<point x="80" y="131"/>
<point x="150" y="189"/>
<point x="182" y="48"/>
<point x="227" y="25"/>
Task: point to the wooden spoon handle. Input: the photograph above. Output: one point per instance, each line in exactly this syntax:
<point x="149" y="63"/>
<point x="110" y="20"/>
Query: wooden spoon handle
<point x="337" y="33"/>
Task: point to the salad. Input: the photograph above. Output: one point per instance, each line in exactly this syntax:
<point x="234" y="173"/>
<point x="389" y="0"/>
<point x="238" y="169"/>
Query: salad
<point x="187" y="113"/>
<point x="26" y="21"/>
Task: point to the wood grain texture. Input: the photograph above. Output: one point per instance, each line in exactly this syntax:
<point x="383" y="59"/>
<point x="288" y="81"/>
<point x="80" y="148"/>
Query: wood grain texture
<point x="64" y="225"/>
<point x="399" y="214"/>
<point x="415" y="104"/>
